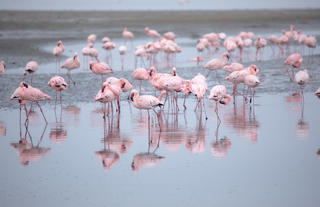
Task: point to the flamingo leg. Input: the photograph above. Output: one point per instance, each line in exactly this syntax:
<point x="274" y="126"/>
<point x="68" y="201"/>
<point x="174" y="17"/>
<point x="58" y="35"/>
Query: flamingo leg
<point x="42" y="112"/>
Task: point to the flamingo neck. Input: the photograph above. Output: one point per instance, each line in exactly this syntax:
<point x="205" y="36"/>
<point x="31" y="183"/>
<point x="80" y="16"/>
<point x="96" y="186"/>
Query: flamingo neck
<point x="161" y="95"/>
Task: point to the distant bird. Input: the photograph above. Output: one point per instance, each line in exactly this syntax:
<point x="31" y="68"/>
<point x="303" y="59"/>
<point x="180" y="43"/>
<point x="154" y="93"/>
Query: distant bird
<point x="28" y="93"/>
<point x="126" y="34"/>
<point x="219" y="94"/>
<point x="100" y="69"/>
<point x="140" y="74"/>
<point x="301" y="78"/>
<point x="57" y="52"/>
<point x="169" y="36"/>
<point x="233" y="67"/>
<point x="251" y="81"/>
<point x="31" y="67"/>
<point x="259" y="43"/>
<point x="294" y="60"/>
<point x="122" y="52"/>
<point x="105" y="39"/>
<point x="151" y="33"/>
<point x="92" y="38"/>
<point x="197" y="59"/>
<point x="71" y="64"/>
<point x="58" y="84"/>
<point x="216" y="64"/>
<point x="2" y="67"/>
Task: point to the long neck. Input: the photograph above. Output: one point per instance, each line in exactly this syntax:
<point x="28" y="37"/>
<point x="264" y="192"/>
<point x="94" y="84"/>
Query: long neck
<point x="161" y="94"/>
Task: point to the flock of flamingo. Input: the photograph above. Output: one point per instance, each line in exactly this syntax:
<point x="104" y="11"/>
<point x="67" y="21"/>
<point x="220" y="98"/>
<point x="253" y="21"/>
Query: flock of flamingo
<point x="168" y="84"/>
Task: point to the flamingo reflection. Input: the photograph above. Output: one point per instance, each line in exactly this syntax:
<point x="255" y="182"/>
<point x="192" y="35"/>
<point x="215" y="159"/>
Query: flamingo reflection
<point x="58" y="134"/>
<point x="147" y="159"/>
<point x="196" y="142"/>
<point x="29" y="152"/>
<point x="243" y="122"/>
<point x="302" y="126"/>
<point x="3" y="129"/>
<point x="220" y="147"/>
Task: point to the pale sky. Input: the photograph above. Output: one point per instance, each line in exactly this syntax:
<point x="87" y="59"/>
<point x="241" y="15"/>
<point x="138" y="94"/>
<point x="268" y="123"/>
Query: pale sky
<point x="155" y="4"/>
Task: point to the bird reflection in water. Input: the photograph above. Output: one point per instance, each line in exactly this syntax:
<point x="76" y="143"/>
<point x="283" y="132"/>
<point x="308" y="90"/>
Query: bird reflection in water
<point x="149" y="158"/>
<point x="30" y="152"/>
<point x="318" y="153"/>
<point x="3" y="129"/>
<point x="220" y="147"/>
<point x="302" y="126"/>
<point x="112" y="143"/>
<point x="172" y="134"/>
<point x="72" y="111"/>
<point x="58" y="134"/>
<point x="243" y="121"/>
<point x="196" y="141"/>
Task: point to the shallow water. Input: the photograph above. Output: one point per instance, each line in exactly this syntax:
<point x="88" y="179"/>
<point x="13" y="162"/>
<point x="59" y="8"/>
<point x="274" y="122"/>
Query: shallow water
<point x="262" y="154"/>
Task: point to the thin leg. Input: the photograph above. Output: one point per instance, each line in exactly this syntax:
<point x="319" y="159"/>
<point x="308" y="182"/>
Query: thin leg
<point x="42" y="112"/>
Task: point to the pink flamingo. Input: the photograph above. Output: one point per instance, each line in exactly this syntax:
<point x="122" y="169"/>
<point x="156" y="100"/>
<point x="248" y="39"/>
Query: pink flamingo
<point x="237" y="77"/>
<point x="197" y="59"/>
<point x="294" y="60"/>
<point x="92" y="38"/>
<point x="122" y="52"/>
<point x="219" y="94"/>
<point x="29" y="93"/>
<point x="169" y="36"/>
<point x="105" y="39"/>
<point x="92" y="52"/>
<point x="216" y="64"/>
<point x="126" y="34"/>
<point x="109" y="46"/>
<point x="2" y="67"/>
<point x="198" y="87"/>
<point x="151" y="33"/>
<point x="70" y="64"/>
<point x="301" y="78"/>
<point x="259" y="43"/>
<point x="31" y="67"/>
<point x="57" y="52"/>
<point x="230" y="44"/>
<point x="251" y="81"/>
<point x="58" y="84"/>
<point x="233" y="67"/>
<point x="146" y="102"/>
<point x="106" y="95"/>
<point x="140" y="74"/>
<point x="100" y="69"/>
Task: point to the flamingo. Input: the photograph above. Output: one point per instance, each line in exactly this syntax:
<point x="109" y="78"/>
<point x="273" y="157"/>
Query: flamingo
<point x="2" y="67"/>
<point x="58" y="84"/>
<point x="197" y="59"/>
<point x="219" y="94"/>
<point x="126" y="34"/>
<point x="122" y="52"/>
<point x="28" y="93"/>
<point x="92" y="52"/>
<point x="106" y="95"/>
<point x="251" y="81"/>
<point x="259" y="43"/>
<point x="100" y="69"/>
<point x="70" y="64"/>
<point x="216" y="64"/>
<point x="237" y="77"/>
<point x="294" y="60"/>
<point x="109" y="46"/>
<point x="233" y="67"/>
<point x="140" y="74"/>
<point x="31" y="67"/>
<point x="301" y="78"/>
<point x="92" y="38"/>
<point x="198" y="86"/>
<point x="146" y="102"/>
<point x="105" y="39"/>
<point x="57" y="52"/>
<point x="152" y="33"/>
<point x="169" y="36"/>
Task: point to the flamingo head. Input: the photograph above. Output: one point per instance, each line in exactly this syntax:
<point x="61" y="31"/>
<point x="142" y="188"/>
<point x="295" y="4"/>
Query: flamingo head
<point x="225" y="99"/>
<point x="226" y="55"/>
<point x="146" y="29"/>
<point x="90" y="45"/>
<point x="133" y="94"/>
<point x="254" y="69"/>
<point x="24" y="85"/>
<point x="3" y="63"/>
<point x="152" y="71"/>
<point x="91" y="63"/>
<point x="59" y="43"/>
<point x="75" y="56"/>
<point x="125" y="85"/>
<point x="174" y="71"/>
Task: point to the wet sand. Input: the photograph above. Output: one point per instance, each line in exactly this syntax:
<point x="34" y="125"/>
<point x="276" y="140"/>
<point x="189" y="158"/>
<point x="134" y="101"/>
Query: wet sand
<point x="263" y="154"/>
